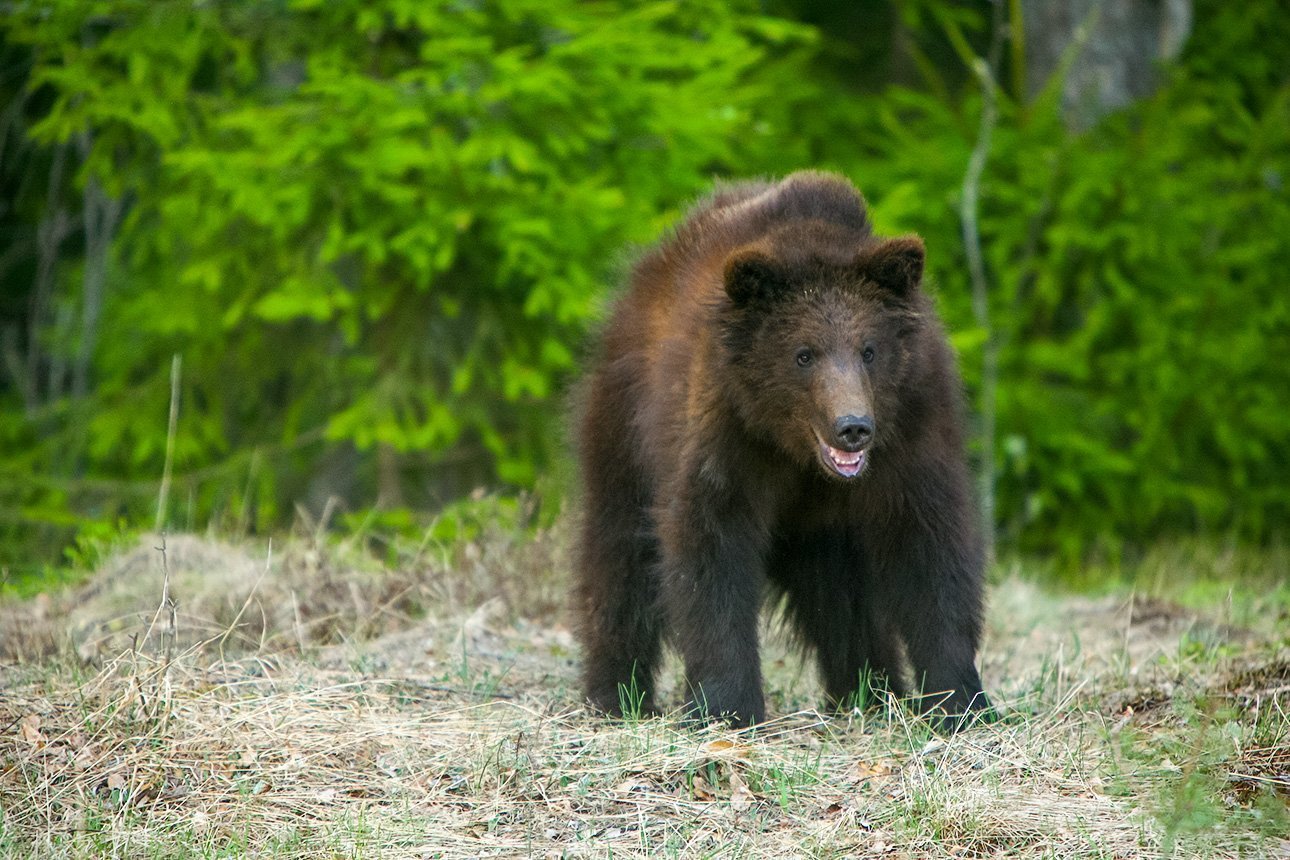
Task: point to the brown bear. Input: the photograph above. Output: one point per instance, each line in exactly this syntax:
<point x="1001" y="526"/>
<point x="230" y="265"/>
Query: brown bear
<point x="775" y="409"/>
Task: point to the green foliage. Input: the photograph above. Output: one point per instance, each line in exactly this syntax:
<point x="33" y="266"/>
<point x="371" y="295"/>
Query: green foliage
<point x="378" y="225"/>
<point x="1137" y="295"/>
<point x="378" y="233"/>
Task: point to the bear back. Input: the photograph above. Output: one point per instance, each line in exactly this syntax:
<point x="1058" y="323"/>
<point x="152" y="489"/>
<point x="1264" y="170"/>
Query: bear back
<point x="745" y="212"/>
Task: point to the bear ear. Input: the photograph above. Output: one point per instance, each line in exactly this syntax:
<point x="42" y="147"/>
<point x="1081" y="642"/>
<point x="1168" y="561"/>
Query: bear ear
<point x="895" y="265"/>
<point x="753" y="278"/>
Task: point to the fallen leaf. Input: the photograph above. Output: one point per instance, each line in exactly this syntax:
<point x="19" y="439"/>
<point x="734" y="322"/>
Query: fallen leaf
<point x="870" y="770"/>
<point x="85" y="758"/>
<point x="741" y="797"/>
<point x="29" y="726"/>
<point x="727" y="749"/>
<point x="628" y="786"/>
<point x="700" y="790"/>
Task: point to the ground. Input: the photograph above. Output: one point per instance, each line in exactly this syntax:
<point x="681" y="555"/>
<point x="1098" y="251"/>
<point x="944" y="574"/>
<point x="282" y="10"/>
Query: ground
<point x="306" y="701"/>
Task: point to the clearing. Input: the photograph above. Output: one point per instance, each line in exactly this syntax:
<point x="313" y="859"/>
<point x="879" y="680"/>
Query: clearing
<point x="307" y="702"/>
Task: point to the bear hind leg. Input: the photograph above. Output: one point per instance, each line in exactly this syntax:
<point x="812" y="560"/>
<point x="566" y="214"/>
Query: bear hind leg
<point x="857" y="654"/>
<point x="861" y="668"/>
<point x="621" y="621"/>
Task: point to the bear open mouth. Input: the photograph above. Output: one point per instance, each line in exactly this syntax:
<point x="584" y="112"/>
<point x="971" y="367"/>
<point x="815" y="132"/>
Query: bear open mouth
<point x="847" y="464"/>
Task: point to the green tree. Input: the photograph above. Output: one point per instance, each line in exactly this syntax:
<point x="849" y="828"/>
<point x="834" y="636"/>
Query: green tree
<point x="381" y="225"/>
<point x="1138" y="290"/>
<point x="378" y="233"/>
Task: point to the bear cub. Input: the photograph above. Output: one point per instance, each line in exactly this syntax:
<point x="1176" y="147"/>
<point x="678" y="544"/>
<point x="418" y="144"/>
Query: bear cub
<point x="775" y="410"/>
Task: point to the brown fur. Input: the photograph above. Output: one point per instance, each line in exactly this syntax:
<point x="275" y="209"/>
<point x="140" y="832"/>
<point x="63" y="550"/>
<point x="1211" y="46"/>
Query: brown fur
<point x="756" y="351"/>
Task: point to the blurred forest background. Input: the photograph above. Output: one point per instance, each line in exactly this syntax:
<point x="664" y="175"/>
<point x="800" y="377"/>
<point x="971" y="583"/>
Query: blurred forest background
<point x="256" y="256"/>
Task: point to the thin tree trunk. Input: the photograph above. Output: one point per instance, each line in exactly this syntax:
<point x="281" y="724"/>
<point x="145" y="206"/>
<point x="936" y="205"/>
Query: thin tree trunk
<point x="389" y="483"/>
<point x="101" y="215"/>
<point x="50" y="234"/>
<point x="1108" y="52"/>
<point x="163" y="494"/>
<point x="985" y="70"/>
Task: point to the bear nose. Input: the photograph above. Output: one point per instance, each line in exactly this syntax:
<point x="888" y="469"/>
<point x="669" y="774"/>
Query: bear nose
<point x="853" y="432"/>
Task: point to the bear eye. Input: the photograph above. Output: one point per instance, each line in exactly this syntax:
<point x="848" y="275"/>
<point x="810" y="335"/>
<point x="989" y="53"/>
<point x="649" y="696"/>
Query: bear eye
<point x="805" y="357"/>
<point x="867" y="355"/>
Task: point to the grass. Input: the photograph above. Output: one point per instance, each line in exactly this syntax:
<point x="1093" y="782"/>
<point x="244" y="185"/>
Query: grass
<point x="311" y="703"/>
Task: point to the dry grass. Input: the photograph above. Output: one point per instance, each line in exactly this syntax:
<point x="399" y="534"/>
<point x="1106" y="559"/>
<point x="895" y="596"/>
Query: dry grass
<point x="311" y="703"/>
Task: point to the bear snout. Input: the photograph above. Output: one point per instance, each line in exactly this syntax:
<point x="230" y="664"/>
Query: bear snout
<point x="852" y="432"/>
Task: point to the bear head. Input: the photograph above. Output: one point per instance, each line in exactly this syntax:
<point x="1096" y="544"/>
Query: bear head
<point x="820" y="338"/>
